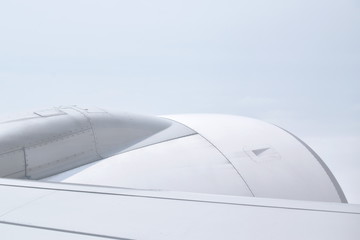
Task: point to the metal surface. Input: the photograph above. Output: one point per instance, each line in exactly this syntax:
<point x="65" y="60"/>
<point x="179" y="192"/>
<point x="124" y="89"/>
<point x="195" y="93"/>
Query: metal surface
<point x="115" y="132"/>
<point x="17" y="166"/>
<point x="194" y="171"/>
<point x="197" y="153"/>
<point x="325" y="167"/>
<point x="185" y="164"/>
<point x="14" y="231"/>
<point x="138" y="214"/>
<point x="287" y="170"/>
<point x="51" y="141"/>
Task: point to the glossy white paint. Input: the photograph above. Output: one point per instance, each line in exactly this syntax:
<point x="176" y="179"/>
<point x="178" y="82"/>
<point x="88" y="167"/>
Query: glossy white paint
<point x="283" y="166"/>
<point x="44" y="143"/>
<point x="118" y="131"/>
<point x="138" y="214"/>
<point x="15" y="232"/>
<point x="36" y="135"/>
<point x="185" y="164"/>
<point x="175" y="160"/>
<point x="215" y="154"/>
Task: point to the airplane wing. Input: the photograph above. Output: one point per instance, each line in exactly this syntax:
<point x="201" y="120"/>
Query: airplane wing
<point x="39" y="210"/>
<point x="90" y="173"/>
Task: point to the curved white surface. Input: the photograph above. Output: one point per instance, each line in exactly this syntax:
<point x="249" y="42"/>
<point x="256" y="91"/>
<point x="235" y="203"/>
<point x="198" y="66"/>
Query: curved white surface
<point x="257" y="159"/>
<point x="189" y="164"/>
<point x="216" y="154"/>
<point x="272" y="162"/>
<point x="50" y="141"/>
<point x="181" y="171"/>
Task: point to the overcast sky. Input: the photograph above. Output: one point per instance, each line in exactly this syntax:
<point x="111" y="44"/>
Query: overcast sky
<point x="292" y="63"/>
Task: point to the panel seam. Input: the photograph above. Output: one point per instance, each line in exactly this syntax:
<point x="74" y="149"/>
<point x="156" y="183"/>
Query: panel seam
<point x="238" y="172"/>
<point x="92" y="130"/>
<point x="181" y="199"/>
<point x="327" y="170"/>
<point x="63" y="230"/>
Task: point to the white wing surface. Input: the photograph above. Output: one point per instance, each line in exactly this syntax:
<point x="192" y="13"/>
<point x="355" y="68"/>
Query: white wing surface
<point x="90" y="173"/>
<point x="63" y="211"/>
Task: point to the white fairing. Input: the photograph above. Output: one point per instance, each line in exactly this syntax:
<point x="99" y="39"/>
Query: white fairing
<point x="272" y="162"/>
<point x="214" y="154"/>
<point x="188" y="164"/>
<point x="44" y="143"/>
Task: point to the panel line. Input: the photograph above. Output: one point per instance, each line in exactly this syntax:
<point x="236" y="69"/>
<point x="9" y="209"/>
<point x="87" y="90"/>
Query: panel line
<point x="179" y="199"/>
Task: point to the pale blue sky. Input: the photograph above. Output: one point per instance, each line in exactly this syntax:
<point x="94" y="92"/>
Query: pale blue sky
<point x="293" y="63"/>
